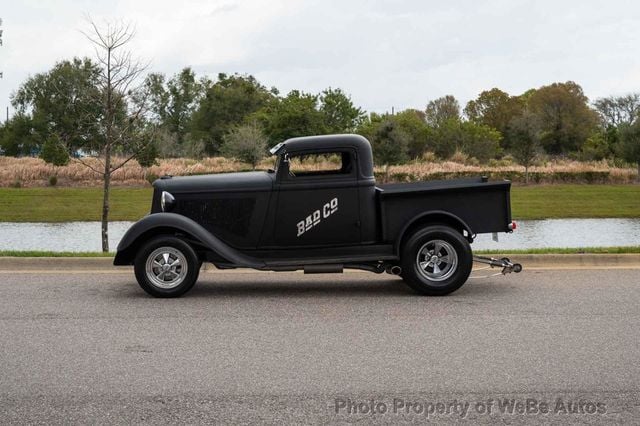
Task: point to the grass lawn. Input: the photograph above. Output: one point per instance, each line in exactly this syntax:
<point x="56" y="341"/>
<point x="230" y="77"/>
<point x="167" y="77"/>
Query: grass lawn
<point x="575" y="201"/>
<point x="528" y="202"/>
<point x="71" y="204"/>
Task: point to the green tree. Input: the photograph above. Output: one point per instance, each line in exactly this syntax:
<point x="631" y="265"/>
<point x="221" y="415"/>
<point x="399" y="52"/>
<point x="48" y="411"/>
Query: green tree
<point x="245" y="142"/>
<point x="18" y="136"/>
<point x="479" y="141"/>
<point x="294" y="115"/>
<point x="596" y="147"/>
<point x="629" y="147"/>
<point x="54" y="151"/>
<point x="566" y="119"/>
<point x="230" y="101"/>
<point x="390" y="145"/>
<point x="441" y="110"/>
<point x="63" y="101"/>
<point x="617" y="110"/>
<point x="496" y="109"/>
<point x="476" y="140"/>
<point x="446" y="139"/>
<point x="524" y="131"/>
<point x="340" y="115"/>
<point x="174" y="102"/>
<point x="412" y="123"/>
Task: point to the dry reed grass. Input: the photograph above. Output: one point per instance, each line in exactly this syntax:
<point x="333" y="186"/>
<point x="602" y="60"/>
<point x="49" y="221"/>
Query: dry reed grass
<point x="33" y="172"/>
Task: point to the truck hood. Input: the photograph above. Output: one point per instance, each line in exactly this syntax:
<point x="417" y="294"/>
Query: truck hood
<point x="223" y="182"/>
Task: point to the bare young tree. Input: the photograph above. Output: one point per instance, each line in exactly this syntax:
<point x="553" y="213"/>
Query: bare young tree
<point x="121" y="123"/>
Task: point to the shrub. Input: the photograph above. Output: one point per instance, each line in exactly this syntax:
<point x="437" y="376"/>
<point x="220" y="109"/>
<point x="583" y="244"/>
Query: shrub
<point x="151" y="177"/>
<point x="53" y="180"/>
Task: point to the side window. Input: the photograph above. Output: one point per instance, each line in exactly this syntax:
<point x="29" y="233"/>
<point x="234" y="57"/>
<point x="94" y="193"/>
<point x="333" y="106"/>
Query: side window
<point x="320" y="164"/>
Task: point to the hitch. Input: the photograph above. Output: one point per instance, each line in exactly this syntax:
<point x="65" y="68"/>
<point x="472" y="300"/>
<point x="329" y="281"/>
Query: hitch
<point x="504" y="263"/>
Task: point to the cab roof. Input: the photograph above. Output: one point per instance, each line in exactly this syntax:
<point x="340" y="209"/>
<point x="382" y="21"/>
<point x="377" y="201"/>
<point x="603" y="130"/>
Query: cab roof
<point x="323" y="142"/>
<point x="326" y="142"/>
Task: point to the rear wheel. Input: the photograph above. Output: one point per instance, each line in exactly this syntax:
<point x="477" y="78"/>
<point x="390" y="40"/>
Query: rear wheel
<point x="166" y="267"/>
<point x="436" y="260"/>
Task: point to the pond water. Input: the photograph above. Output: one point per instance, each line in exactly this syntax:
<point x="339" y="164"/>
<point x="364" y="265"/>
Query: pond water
<point x="85" y="236"/>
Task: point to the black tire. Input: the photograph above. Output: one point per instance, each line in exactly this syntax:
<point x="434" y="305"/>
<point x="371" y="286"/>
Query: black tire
<point x="174" y="280"/>
<point x="428" y="276"/>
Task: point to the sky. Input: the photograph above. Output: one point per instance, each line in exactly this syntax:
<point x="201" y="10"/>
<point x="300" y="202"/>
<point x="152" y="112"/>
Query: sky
<point x="385" y="54"/>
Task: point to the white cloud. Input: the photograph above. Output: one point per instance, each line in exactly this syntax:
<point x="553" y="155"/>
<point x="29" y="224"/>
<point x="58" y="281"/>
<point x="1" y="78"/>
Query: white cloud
<point x="385" y="53"/>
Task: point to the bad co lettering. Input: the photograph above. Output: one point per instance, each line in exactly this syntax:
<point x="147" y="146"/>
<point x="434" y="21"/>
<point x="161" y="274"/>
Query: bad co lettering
<point x="317" y="216"/>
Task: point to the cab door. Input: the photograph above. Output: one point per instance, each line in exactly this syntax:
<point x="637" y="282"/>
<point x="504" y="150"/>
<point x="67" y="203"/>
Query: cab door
<point x="318" y="200"/>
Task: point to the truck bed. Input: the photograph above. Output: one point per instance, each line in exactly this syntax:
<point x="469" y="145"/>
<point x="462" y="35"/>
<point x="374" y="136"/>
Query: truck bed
<point x="484" y="206"/>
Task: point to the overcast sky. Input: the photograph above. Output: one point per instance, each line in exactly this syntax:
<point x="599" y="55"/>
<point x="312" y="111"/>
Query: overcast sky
<point x="383" y="53"/>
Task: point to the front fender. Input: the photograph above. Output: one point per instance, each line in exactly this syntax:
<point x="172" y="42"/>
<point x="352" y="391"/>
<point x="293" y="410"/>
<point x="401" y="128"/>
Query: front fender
<point x="162" y="221"/>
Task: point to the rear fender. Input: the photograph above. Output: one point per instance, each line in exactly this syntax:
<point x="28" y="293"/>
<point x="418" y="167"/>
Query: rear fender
<point x="163" y="222"/>
<point x="433" y="217"/>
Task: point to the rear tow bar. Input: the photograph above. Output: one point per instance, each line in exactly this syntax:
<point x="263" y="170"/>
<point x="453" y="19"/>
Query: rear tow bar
<point x="504" y="263"/>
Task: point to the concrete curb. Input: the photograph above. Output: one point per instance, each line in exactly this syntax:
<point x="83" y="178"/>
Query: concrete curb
<point x="528" y="261"/>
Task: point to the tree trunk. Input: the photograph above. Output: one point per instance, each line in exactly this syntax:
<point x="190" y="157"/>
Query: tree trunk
<point x="638" y="178"/>
<point x="105" y="199"/>
<point x="526" y="175"/>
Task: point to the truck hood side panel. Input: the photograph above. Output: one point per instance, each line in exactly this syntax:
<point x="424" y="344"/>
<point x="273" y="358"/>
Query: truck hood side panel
<point x="231" y="206"/>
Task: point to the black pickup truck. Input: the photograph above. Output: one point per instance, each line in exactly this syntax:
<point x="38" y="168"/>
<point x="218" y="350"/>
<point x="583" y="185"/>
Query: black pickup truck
<point x="320" y="210"/>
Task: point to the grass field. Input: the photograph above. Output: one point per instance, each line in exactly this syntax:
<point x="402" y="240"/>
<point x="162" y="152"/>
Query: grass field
<point x="528" y="202"/>
<point x="71" y="204"/>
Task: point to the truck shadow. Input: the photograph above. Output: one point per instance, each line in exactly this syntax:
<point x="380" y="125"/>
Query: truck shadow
<point x="209" y="288"/>
<point x="345" y="288"/>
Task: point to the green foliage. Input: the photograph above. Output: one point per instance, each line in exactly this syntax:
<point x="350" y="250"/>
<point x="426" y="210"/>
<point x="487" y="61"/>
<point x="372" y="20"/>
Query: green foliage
<point x="390" y="143"/>
<point x="617" y="110"/>
<point x="174" y="102"/>
<point x="565" y="116"/>
<point x="64" y="101"/>
<point x="19" y="137"/>
<point x="246" y="143"/>
<point x="147" y="154"/>
<point x="480" y="141"/>
<point x="629" y="147"/>
<point x="412" y="122"/>
<point x="596" y="147"/>
<point x="442" y="110"/>
<point x="339" y="113"/>
<point x="524" y="132"/>
<point x="151" y="177"/>
<point x="496" y="109"/>
<point x="226" y="104"/>
<point x="53" y="180"/>
<point x="292" y="116"/>
<point x="54" y="152"/>
<point x="475" y="140"/>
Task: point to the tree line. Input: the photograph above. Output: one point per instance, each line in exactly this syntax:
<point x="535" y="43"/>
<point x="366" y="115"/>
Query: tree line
<point x="237" y="116"/>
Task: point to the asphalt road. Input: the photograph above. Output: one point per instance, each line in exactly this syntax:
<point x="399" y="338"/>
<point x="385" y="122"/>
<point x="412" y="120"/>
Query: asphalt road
<point x="268" y="347"/>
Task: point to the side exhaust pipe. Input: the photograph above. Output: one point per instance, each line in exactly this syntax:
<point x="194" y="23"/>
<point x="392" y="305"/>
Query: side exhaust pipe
<point x="393" y="270"/>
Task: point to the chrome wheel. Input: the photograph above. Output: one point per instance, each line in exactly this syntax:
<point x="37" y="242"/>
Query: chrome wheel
<point x="437" y="260"/>
<point x="166" y="267"/>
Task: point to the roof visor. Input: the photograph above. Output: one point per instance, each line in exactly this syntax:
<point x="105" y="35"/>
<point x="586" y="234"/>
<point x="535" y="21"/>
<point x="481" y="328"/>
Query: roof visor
<point x="275" y="149"/>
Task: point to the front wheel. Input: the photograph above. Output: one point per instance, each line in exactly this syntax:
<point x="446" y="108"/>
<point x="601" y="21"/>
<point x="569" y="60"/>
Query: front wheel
<point x="166" y="266"/>
<point x="436" y="260"/>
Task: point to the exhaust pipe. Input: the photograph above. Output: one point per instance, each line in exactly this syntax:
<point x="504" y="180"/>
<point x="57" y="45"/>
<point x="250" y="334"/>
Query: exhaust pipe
<point x="393" y="270"/>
